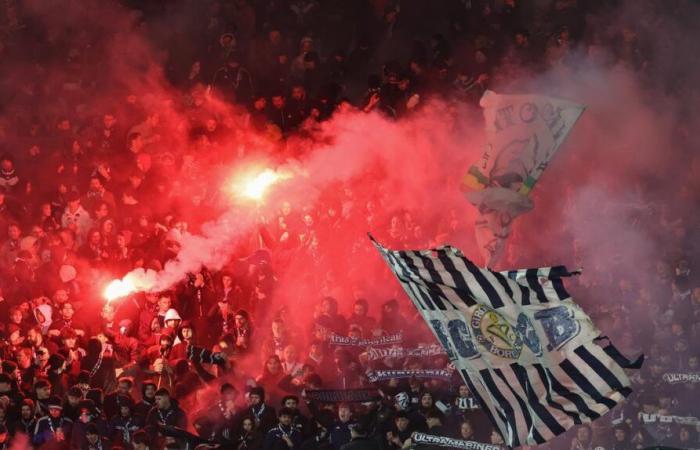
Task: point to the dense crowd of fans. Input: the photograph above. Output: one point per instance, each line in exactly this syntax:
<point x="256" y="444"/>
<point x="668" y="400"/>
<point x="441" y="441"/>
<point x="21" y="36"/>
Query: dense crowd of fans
<point x="90" y="188"/>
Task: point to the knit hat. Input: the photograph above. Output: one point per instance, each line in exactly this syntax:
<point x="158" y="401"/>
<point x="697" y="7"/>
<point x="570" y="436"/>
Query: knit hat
<point x="54" y="402"/>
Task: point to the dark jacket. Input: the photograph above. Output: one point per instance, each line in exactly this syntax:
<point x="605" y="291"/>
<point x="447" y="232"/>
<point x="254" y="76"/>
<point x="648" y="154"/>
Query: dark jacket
<point x="274" y="438"/>
<point x="362" y="443"/>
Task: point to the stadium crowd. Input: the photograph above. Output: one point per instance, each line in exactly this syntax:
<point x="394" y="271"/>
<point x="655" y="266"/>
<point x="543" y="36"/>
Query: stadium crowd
<point x="90" y="188"/>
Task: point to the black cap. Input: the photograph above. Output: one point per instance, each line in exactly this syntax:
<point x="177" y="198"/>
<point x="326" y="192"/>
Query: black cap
<point x="54" y="402"/>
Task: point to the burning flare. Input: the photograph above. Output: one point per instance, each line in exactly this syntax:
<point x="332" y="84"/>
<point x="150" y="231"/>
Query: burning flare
<point x="256" y="187"/>
<point x="138" y="280"/>
<point x="118" y="289"/>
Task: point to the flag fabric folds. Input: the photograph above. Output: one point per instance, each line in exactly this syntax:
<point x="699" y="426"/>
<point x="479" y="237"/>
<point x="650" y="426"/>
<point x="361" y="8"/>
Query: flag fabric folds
<point x="523" y="133"/>
<point x="528" y="353"/>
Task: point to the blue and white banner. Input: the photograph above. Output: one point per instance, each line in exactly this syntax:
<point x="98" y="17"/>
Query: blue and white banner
<point x="382" y="375"/>
<point x="526" y="351"/>
<point x="374" y="354"/>
<point x="443" y="441"/>
<point x="335" y="339"/>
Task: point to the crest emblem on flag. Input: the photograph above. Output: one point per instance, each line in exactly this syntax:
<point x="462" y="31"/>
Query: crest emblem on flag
<point x="527" y="352"/>
<point x="495" y="333"/>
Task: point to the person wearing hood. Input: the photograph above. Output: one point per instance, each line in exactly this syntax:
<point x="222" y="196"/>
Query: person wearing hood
<point x="55" y="371"/>
<point x="185" y="338"/>
<point x="42" y="315"/>
<point x="148" y="399"/>
<point x="100" y="365"/>
<point x="172" y="320"/>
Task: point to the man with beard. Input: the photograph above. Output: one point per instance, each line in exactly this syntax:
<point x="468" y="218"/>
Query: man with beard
<point x="284" y="436"/>
<point x="148" y="399"/>
<point x="263" y="414"/>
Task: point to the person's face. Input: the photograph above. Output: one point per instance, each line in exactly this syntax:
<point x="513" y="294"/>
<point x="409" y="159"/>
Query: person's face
<point x="60" y="296"/>
<point x="108" y="120"/>
<point x="92" y="438"/>
<point x="187" y="333"/>
<point x="344" y="414"/>
<point x="273" y="365"/>
<point x="73" y="401"/>
<point x="4" y="387"/>
<point x="582" y="434"/>
<point x="69" y="342"/>
<point x="124" y="388"/>
<point x="6" y="164"/>
<point x="290" y="403"/>
<point x="466" y="429"/>
<point x="95" y="238"/>
<point x="619" y="435"/>
<point x="254" y="399"/>
<point x="67" y="311"/>
<point x="298" y="92"/>
<point x="155" y="325"/>
<point x="26" y="412"/>
<point x="274" y="36"/>
<point x="43" y="392"/>
<point x="55" y="412"/>
<point x="277" y="328"/>
<point x="46" y="210"/>
<point x="149" y="391"/>
<point x="108" y="313"/>
<point x="359" y="309"/>
<point x="247" y="425"/>
<point x="13" y="232"/>
<point x="285" y="420"/>
<point x="290" y="354"/>
<point x="162" y="401"/>
<point x="16" y="316"/>
<point x="124" y="411"/>
<point x="240" y="321"/>
<point x="95" y="184"/>
<point x="164" y="304"/>
<point x="426" y="400"/>
<point x="402" y="423"/>
<point x="463" y="391"/>
<point x="260" y="103"/>
<point x="278" y="101"/>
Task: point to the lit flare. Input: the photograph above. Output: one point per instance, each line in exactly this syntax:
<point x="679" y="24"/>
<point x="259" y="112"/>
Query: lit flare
<point x="256" y="187"/>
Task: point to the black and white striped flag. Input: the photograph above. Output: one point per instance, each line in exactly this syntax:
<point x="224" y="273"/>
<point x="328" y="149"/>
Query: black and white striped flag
<point x="523" y="347"/>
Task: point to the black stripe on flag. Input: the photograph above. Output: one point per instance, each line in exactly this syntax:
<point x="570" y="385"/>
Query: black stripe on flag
<point x="491" y="293"/>
<point x="586" y="385"/>
<point x="462" y="290"/>
<point x="601" y="370"/>
<point x="544" y="380"/>
<point x="531" y="275"/>
<point x="526" y="385"/>
<point x="503" y="403"/>
<point x="574" y="398"/>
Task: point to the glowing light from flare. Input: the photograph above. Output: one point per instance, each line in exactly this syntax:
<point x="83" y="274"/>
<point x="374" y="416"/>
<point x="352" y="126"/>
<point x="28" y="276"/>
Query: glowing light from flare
<point x="118" y="289"/>
<point x="256" y="187"/>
